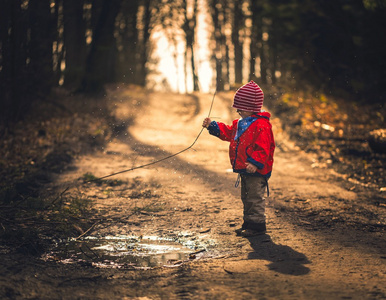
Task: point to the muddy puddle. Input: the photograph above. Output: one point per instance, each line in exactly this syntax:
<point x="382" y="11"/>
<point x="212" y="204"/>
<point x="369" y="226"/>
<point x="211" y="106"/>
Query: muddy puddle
<point x="127" y="252"/>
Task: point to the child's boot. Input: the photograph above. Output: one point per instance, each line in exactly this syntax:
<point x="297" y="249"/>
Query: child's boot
<point x="252" y="230"/>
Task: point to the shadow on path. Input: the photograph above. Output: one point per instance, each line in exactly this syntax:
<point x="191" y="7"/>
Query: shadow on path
<point x="283" y="259"/>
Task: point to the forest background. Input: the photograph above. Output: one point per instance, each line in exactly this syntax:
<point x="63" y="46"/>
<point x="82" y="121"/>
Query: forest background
<point x="330" y="47"/>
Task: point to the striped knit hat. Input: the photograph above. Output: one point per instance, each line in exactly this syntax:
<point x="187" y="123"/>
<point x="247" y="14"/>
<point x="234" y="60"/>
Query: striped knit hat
<point x="249" y="97"/>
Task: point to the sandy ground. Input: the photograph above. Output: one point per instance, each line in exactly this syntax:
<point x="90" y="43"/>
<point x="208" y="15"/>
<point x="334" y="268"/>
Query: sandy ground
<point x="318" y="246"/>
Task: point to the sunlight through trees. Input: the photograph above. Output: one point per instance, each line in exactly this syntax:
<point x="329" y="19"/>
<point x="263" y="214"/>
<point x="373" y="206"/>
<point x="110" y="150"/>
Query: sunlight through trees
<point x="189" y="45"/>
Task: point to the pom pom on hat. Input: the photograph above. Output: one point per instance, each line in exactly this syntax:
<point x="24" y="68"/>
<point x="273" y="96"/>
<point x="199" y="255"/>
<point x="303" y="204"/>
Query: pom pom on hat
<point x="249" y="97"/>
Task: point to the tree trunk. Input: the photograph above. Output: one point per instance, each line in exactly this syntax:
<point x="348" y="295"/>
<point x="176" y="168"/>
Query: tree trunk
<point x="74" y="42"/>
<point x="273" y="53"/>
<point x="100" y="60"/>
<point x="257" y="20"/>
<point x="216" y="10"/>
<point x="128" y="34"/>
<point x="57" y="49"/>
<point x="8" y="11"/>
<point x="196" y="86"/>
<point x="14" y="87"/>
<point x="238" y="22"/>
<point x="253" y="47"/>
<point x="143" y="52"/>
<point x="189" y="27"/>
<point x="40" y="49"/>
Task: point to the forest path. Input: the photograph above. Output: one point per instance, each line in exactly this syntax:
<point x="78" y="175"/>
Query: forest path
<point x="192" y="195"/>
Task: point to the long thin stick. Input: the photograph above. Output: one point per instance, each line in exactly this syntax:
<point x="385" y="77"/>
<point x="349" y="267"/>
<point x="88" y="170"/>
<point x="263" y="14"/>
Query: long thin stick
<point x="84" y="233"/>
<point x="162" y="159"/>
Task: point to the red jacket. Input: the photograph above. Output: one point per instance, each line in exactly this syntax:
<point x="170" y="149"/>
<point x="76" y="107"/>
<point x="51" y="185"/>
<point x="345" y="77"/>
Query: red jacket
<point x="255" y="145"/>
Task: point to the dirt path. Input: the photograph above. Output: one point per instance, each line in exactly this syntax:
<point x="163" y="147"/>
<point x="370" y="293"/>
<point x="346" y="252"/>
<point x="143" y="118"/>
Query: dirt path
<point x="318" y="246"/>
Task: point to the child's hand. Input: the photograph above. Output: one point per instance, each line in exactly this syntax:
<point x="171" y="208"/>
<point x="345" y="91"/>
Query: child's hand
<point x="206" y="122"/>
<point x="251" y="168"/>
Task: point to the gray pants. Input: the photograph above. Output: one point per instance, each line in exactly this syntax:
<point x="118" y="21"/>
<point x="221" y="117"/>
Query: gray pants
<point x="252" y="194"/>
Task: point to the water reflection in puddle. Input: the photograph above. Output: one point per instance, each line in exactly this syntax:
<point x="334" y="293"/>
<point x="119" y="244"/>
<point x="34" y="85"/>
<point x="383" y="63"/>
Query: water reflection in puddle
<point x="124" y="252"/>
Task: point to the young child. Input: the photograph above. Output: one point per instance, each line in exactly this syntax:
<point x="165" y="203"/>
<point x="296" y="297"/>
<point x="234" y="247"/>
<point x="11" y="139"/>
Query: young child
<point x="251" y="152"/>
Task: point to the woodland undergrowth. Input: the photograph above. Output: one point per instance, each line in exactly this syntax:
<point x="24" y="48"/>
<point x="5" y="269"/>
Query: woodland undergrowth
<point x="339" y="131"/>
<point x="35" y="150"/>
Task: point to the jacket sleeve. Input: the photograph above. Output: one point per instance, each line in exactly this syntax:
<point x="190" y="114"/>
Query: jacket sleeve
<point x="260" y="154"/>
<point x="221" y="130"/>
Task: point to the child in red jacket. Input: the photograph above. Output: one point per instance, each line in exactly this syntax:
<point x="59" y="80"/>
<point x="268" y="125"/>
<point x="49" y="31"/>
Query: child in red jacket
<point x="251" y="152"/>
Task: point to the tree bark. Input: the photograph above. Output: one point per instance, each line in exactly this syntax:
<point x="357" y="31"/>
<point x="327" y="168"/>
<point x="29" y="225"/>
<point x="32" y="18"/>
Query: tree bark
<point x="40" y="48"/>
<point x="128" y="34"/>
<point x="100" y="60"/>
<point x="216" y="10"/>
<point x="74" y="37"/>
<point x="257" y="21"/>
<point x="189" y="27"/>
<point x="238" y="22"/>
<point x="143" y="53"/>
